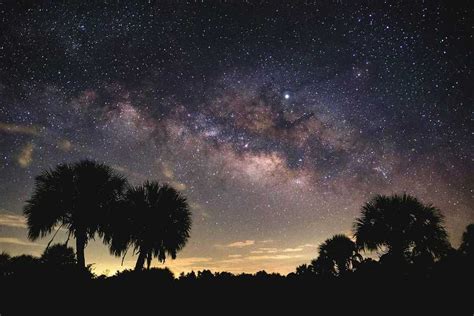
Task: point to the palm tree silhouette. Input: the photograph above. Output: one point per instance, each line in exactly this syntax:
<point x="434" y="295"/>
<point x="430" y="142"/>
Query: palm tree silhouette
<point x="403" y="226"/>
<point x="155" y="220"/>
<point x="77" y="197"/>
<point x="339" y="253"/>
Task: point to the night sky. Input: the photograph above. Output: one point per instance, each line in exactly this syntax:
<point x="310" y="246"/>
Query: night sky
<point x="277" y="122"/>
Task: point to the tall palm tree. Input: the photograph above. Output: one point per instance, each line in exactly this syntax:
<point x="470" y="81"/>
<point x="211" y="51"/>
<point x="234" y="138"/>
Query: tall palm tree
<point x="77" y="197"/>
<point x="155" y="220"/>
<point x="340" y="252"/>
<point x="403" y="226"/>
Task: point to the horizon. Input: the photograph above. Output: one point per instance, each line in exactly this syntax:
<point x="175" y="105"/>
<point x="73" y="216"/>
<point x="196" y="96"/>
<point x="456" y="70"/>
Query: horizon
<point x="277" y="122"/>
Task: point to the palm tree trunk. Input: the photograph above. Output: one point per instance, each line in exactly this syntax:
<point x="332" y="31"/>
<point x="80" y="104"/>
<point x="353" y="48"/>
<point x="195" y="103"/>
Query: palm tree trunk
<point x="80" y="245"/>
<point x="140" y="260"/>
<point x="148" y="260"/>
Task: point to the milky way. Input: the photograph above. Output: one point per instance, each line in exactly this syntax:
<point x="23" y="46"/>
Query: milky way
<point x="277" y="122"/>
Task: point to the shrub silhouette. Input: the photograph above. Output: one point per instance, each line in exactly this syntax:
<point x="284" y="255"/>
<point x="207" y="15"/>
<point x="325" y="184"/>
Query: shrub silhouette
<point x="4" y="264"/>
<point x="59" y="255"/>
<point x="467" y="245"/>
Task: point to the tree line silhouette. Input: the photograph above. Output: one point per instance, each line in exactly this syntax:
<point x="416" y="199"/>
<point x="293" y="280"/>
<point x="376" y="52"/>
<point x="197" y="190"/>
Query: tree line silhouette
<point x="405" y="238"/>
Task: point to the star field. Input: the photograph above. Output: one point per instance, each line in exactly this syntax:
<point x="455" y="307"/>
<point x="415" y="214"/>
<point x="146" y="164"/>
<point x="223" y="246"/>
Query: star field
<point x="277" y="121"/>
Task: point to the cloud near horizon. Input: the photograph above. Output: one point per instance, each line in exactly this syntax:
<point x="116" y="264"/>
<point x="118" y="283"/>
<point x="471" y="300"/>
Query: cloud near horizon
<point x="274" y="257"/>
<point x="19" y="242"/>
<point x="240" y="244"/>
<point x="11" y="220"/>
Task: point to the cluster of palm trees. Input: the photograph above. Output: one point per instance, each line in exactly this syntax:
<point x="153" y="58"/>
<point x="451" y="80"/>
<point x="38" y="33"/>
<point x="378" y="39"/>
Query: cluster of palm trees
<point x="89" y="198"/>
<point x="401" y="227"/>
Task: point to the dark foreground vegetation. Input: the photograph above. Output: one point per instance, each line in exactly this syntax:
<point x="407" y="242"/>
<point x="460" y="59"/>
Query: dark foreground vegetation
<point x="46" y="286"/>
<point x="414" y="269"/>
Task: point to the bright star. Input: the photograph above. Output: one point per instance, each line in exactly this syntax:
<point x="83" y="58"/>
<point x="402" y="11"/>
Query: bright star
<point x="287" y="96"/>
